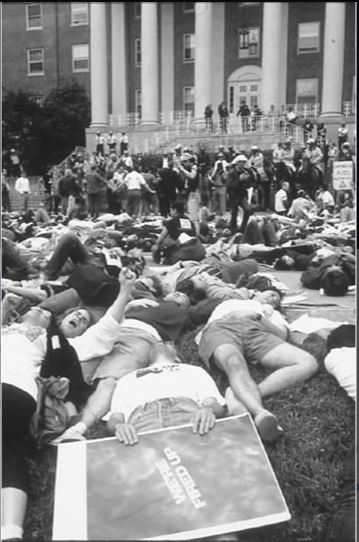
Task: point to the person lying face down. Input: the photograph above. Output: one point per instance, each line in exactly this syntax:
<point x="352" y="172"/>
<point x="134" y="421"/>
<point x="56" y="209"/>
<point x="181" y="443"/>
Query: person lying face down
<point x="185" y="392"/>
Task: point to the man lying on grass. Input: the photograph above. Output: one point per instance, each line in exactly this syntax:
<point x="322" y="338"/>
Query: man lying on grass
<point x="165" y="394"/>
<point x="24" y="351"/>
<point x="242" y="332"/>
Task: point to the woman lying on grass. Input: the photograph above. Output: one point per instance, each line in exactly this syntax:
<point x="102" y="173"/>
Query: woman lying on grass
<point x="24" y="350"/>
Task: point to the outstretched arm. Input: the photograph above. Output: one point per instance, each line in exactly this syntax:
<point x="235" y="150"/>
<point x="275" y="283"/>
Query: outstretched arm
<point x="127" y="279"/>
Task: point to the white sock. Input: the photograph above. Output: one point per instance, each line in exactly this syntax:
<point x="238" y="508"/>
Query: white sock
<point x="79" y="426"/>
<point x="11" y="531"/>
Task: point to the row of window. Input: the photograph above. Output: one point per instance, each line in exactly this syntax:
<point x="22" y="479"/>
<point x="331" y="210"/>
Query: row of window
<point x="34" y="15"/>
<point x="308" y="33"/>
<point x="308" y="42"/>
<point x="79" y="14"/>
<point x="36" y="60"/>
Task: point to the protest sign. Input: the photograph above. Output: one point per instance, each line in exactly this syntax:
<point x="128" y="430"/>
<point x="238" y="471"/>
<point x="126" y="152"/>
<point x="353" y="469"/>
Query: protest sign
<point x="171" y="485"/>
<point x="342" y="175"/>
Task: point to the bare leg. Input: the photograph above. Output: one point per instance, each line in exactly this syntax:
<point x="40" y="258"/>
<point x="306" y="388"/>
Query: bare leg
<point x="231" y="361"/>
<point x="292" y="365"/>
<point x="245" y="390"/>
<point x="13" y="509"/>
<point x="235" y="407"/>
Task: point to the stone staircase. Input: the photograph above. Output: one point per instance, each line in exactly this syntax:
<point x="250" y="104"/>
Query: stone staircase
<point x="36" y="196"/>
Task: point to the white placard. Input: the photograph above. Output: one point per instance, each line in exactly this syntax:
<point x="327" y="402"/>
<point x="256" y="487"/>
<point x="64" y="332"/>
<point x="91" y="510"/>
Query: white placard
<point x="343" y="175"/>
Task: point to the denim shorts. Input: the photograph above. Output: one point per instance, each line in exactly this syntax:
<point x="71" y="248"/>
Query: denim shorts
<point x="245" y="334"/>
<point x="168" y="412"/>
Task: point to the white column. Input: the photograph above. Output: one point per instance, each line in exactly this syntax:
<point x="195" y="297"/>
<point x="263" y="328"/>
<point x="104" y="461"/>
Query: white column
<point x="217" y="55"/>
<point x="167" y="57"/>
<point x="119" y="67"/>
<point x="271" y="56"/>
<point x="202" y="65"/>
<point x="98" y="56"/>
<point x="284" y="55"/>
<point x="149" y="63"/>
<point x="333" y="66"/>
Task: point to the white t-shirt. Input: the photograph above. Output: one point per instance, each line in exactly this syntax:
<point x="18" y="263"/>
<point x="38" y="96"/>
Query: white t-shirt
<point x="159" y="381"/>
<point x="342" y="364"/>
<point x="22" y="185"/>
<point x="134" y="180"/>
<point x="23" y="349"/>
<point x="281" y="197"/>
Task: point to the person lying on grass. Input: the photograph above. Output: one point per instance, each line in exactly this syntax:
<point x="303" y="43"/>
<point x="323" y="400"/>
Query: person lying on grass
<point x="184" y="393"/>
<point x="243" y="332"/>
<point x="24" y="349"/>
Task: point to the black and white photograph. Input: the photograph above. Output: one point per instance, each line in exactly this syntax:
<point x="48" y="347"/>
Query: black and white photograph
<point x="178" y="241"/>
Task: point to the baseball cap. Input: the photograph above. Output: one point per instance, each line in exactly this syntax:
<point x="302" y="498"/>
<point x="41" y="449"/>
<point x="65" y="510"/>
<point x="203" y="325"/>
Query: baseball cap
<point x="310" y="140"/>
<point x="185" y="157"/>
<point x="239" y="158"/>
<point x="254" y="148"/>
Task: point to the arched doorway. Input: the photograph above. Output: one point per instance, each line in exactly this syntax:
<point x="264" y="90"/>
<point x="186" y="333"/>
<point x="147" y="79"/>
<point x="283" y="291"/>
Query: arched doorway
<point x="244" y="84"/>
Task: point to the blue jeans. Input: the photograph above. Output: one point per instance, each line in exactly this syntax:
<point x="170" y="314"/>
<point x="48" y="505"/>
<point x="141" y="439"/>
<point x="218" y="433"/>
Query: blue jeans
<point x="162" y="413"/>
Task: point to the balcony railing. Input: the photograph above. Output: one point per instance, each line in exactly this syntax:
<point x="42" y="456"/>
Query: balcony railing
<point x="348" y="109"/>
<point x="303" y="110"/>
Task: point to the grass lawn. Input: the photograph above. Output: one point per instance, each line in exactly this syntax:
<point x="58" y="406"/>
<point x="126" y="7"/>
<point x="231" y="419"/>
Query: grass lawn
<point x="318" y="419"/>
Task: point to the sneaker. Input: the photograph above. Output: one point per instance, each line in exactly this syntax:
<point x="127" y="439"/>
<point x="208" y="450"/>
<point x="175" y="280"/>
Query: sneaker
<point x="267" y="426"/>
<point x="70" y="435"/>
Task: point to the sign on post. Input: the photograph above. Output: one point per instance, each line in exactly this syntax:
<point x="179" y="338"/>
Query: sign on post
<point x="343" y="175"/>
<point x="172" y="485"/>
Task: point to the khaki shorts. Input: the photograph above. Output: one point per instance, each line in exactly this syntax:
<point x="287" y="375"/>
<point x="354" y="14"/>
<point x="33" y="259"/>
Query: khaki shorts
<point x="245" y="334"/>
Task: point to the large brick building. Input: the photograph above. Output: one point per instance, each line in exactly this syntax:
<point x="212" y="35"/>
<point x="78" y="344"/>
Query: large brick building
<point x="155" y="59"/>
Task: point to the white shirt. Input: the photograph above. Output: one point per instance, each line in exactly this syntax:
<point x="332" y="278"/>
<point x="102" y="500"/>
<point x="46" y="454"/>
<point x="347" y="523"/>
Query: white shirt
<point x="326" y="198"/>
<point x="24" y="349"/>
<point x="281" y="197"/>
<point x="22" y="185"/>
<point x="159" y="381"/>
<point x="134" y="180"/>
<point x="127" y="160"/>
<point x="342" y="364"/>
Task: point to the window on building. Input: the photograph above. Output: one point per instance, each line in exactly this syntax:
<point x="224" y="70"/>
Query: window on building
<point x="137" y="10"/>
<point x="307" y="91"/>
<point x="188" y="7"/>
<point x="35" y="62"/>
<point x="138" y="103"/>
<point x="138" y="53"/>
<point x="80" y="58"/>
<point x="253" y="49"/>
<point x="33" y="16"/>
<point x="188" y="47"/>
<point x="79" y="13"/>
<point x="308" y="37"/>
<point x="188" y="98"/>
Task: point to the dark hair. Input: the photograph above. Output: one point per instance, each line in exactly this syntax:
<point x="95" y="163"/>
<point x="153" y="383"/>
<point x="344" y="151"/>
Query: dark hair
<point x="157" y="285"/>
<point x="343" y="335"/>
<point x="194" y="293"/>
<point x="179" y="207"/>
<point x="335" y="282"/>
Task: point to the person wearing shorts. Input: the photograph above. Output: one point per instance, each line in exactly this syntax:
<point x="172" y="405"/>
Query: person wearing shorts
<point x="247" y="336"/>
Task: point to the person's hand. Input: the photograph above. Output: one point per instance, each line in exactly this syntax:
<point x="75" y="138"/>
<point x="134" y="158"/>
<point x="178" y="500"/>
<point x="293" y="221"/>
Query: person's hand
<point x="126" y="433"/>
<point x="203" y="420"/>
<point x="126" y="278"/>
